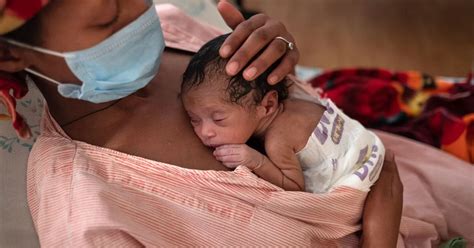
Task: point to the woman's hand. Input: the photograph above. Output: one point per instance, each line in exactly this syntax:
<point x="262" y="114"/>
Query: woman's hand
<point x="249" y="37"/>
<point x="383" y="207"/>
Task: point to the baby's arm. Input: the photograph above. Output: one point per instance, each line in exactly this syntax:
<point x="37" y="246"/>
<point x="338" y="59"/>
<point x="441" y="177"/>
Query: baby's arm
<point x="287" y="174"/>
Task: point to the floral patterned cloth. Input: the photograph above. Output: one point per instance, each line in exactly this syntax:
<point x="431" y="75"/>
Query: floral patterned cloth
<point x="31" y="106"/>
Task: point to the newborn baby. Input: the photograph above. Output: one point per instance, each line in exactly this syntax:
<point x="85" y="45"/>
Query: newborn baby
<point x="308" y="144"/>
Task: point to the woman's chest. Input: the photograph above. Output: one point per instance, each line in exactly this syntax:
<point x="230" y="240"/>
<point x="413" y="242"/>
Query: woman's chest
<point x="156" y="133"/>
<point x="150" y="124"/>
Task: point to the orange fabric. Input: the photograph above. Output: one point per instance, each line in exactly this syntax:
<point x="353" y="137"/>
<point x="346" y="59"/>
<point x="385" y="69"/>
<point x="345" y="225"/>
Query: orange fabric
<point x="463" y="146"/>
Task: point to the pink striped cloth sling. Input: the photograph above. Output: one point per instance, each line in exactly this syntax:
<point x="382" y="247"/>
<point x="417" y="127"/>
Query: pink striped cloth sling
<point x="82" y="195"/>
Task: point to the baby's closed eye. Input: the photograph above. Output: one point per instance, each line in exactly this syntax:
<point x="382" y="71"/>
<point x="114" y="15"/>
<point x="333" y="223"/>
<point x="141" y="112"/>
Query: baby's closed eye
<point x="219" y="119"/>
<point x="195" y="122"/>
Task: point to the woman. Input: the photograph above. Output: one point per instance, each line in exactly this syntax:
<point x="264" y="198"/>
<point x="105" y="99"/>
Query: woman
<point x="123" y="102"/>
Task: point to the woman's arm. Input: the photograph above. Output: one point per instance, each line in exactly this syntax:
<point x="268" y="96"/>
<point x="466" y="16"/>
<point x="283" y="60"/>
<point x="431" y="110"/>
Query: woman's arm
<point x="383" y="207"/>
<point x="249" y="38"/>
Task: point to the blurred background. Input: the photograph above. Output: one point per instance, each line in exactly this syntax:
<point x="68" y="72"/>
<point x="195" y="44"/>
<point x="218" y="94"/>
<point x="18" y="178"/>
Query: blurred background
<point x="432" y="36"/>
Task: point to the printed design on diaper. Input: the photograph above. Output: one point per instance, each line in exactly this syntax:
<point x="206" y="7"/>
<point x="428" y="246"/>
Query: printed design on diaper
<point x="337" y="129"/>
<point x="371" y="160"/>
<point x="321" y="132"/>
<point x="375" y="171"/>
<point x="362" y="155"/>
<point x="334" y="164"/>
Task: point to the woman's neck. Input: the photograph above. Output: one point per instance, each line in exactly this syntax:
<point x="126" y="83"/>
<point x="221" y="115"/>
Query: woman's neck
<point x="65" y="110"/>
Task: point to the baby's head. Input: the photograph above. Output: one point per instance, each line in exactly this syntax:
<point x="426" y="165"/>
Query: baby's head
<point x="224" y="109"/>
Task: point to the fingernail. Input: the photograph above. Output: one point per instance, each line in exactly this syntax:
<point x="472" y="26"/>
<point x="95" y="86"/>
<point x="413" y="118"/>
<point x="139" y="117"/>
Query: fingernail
<point x="225" y="50"/>
<point x="250" y="73"/>
<point x="273" y="79"/>
<point x="232" y="68"/>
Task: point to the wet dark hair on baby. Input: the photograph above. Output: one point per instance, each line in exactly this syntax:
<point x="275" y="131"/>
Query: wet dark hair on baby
<point x="207" y="66"/>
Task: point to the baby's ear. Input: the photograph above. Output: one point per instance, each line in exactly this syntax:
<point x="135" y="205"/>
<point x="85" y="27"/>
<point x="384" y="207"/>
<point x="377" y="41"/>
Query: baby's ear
<point x="270" y="102"/>
<point x="11" y="59"/>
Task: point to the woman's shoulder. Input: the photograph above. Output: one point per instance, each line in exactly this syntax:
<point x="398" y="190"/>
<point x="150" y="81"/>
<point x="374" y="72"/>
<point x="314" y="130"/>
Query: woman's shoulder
<point x="182" y="31"/>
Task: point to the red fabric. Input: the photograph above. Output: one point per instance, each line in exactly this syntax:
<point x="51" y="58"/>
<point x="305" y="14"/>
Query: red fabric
<point x="11" y="89"/>
<point x="25" y="9"/>
<point x="366" y="95"/>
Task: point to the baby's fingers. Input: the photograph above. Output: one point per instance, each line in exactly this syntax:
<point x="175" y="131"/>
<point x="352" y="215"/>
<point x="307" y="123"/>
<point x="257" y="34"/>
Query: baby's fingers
<point x="229" y="161"/>
<point x="227" y="150"/>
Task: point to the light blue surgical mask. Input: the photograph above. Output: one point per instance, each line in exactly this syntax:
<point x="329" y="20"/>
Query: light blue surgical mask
<point x="115" y="68"/>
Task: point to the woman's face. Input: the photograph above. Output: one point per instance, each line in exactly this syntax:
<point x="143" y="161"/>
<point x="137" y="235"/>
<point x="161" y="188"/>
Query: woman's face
<point x="71" y="25"/>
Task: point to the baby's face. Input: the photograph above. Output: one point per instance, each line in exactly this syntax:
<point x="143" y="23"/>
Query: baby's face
<point x="217" y="121"/>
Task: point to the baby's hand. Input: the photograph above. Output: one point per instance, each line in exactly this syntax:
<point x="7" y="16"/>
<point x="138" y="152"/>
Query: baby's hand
<point x="232" y="156"/>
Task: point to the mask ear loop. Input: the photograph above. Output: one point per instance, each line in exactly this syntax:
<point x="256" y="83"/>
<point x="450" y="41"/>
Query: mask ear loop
<point x="42" y="76"/>
<point x="38" y="49"/>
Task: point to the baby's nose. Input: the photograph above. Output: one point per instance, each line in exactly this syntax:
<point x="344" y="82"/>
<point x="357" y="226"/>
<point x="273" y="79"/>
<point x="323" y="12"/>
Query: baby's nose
<point x="208" y="131"/>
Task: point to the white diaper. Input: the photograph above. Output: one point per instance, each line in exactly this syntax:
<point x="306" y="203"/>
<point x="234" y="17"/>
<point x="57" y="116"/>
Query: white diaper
<point x="340" y="151"/>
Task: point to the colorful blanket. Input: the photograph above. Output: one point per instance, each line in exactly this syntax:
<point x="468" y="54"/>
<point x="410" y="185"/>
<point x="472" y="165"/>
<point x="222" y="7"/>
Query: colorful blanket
<point x="431" y="110"/>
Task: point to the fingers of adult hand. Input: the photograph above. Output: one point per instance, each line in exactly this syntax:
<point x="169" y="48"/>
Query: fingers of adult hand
<point x="230" y="14"/>
<point x="389" y="155"/>
<point x="261" y="38"/>
<point x="397" y="187"/>
<point x="390" y="170"/>
<point x="286" y="66"/>
<point x="240" y="35"/>
<point x="389" y="161"/>
<point x="272" y="53"/>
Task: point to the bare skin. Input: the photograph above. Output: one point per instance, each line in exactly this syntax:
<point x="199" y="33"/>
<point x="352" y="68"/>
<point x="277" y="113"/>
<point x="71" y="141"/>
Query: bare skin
<point x="271" y="121"/>
<point x="157" y="112"/>
<point x="283" y="154"/>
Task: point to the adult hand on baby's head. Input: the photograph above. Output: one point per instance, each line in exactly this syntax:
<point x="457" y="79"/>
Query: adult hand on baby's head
<point x="232" y="156"/>
<point x="249" y="37"/>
